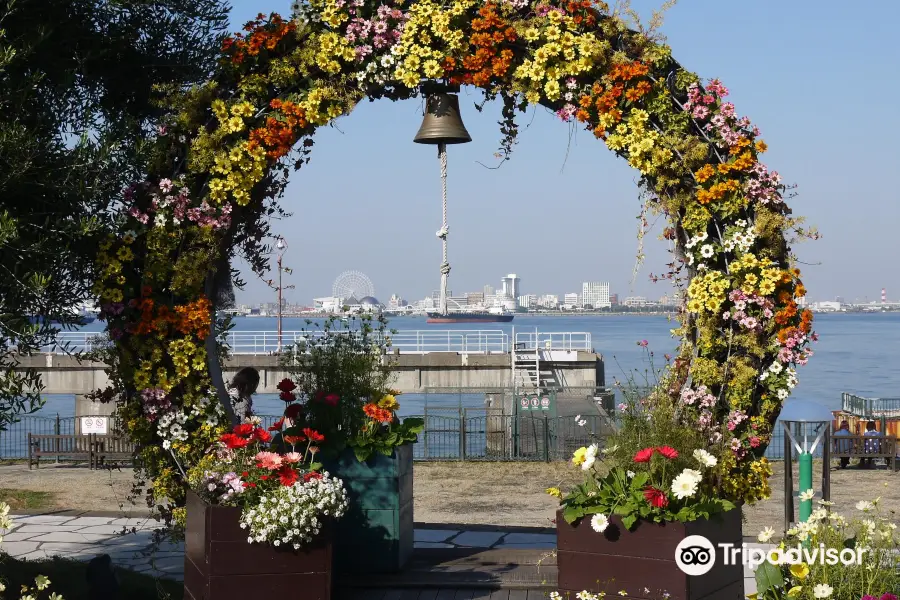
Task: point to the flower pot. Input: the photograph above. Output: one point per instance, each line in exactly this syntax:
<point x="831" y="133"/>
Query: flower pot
<point x="644" y="559"/>
<point x="376" y="533"/>
<point x="219" y="564"/>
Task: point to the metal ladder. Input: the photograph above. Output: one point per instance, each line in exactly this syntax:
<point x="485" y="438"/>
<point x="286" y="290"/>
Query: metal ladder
<point x="526" y="367"/>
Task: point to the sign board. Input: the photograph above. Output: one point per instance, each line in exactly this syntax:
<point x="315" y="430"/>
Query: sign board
<point x="98" y="425"/>
<point x="534" y="402"/>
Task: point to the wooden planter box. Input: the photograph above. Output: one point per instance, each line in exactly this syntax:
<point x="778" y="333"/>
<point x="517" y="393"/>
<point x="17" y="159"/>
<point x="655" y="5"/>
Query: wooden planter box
<point x="219" y="564"/>
<point x="376" y="533"/>
<point x="644" y="558"/>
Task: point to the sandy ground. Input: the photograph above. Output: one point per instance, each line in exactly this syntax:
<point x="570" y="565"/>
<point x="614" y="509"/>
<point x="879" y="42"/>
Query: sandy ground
<point x="466" y="493"/>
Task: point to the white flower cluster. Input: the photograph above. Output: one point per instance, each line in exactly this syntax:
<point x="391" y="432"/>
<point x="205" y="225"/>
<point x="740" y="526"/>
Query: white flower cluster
<point x="5" y="522"/>
<point x="170" y="428"/>
<point x="686" y="483"/>
<point x="292" y="515"/>
<point x="171" y="425"/>
<point x="742" y="239"/>
<point x="790" y="378"/>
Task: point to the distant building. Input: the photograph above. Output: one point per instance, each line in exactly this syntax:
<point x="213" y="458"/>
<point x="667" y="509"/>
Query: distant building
<point x="572" y="301"/>
<point x="488" y="290"/>
<point x="614" y="299"/>
<point x="548" y="301"/>
<point x="511" y="285"/>
<point x="396" y="302"/>
<point x="636" y="301"/>
<point x="801" y="302"/>
<point x="528" y="301"/>
<point x="474" y="298"/>
<point x="595" y="294"/>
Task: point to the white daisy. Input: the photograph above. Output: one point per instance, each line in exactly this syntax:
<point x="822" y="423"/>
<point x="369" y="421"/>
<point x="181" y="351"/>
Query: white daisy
<point x="766" y="535"/>
<point x="599" y="523"/>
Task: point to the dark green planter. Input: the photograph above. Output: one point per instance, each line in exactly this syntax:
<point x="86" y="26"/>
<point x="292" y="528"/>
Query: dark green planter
<point x="376" y="534"/>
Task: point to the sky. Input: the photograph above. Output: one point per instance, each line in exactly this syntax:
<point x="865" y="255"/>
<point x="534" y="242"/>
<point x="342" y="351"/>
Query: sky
<point x="815" y="76"/>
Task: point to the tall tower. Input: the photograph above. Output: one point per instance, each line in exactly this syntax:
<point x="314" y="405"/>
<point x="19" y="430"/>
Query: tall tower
<point x="883" y="296"/>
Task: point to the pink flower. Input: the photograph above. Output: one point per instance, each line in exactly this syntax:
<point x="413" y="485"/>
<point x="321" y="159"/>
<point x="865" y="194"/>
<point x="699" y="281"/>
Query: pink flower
<point x="268" y="460"/>
<point x="292" y="457"/>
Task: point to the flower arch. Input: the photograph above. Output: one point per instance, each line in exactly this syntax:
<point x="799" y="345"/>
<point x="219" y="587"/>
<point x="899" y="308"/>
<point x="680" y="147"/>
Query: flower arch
<point x="227" y="147"/>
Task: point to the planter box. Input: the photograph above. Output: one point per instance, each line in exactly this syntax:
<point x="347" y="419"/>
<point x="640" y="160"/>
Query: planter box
<point x="644" y="558"/>
<point x="376" y="533"/>
<point x="219" y="564"/>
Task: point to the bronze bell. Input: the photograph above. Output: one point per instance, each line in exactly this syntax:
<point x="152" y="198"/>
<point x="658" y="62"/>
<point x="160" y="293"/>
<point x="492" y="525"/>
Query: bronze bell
<point x="442" y="123"/>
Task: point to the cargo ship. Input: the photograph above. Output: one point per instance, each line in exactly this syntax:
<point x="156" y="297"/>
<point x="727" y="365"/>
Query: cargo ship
<point x="470" y="317"/>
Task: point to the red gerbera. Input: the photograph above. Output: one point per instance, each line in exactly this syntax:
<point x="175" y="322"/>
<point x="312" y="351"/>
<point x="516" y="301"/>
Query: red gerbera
<point x="277" y="425"/>
<point x="286" y="385"/>
<point x="244" y="429"/>
<point x="313" y="435"/>
<point x="656" y="497"/>
<point x="293" y="412"/>
<point x="668" y="451"/>
<point x="331" y="399"/>
<point x="311" y="475"/>
<point x="643" y="455"/>
<point x="287" y="396"/>
<point x="262" y="435"/>
<point x="233" y="441"/>
<point x="287" y="475"/>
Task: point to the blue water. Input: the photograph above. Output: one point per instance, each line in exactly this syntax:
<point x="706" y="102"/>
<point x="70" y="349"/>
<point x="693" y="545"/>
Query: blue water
<point x="856" y="352"/>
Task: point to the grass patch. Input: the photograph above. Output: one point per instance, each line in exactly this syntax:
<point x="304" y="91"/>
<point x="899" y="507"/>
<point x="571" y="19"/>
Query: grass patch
<point x="26" y="499"/>
<point x="68" y="579"/>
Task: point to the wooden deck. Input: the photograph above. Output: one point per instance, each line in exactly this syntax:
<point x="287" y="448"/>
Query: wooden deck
<point x="460" y="574"/>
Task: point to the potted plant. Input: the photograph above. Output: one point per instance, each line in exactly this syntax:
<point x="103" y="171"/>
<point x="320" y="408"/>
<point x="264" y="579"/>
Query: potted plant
<point x="342" y="377"/>
<point x="260" y="519"/>
<point x="652" y="486"/>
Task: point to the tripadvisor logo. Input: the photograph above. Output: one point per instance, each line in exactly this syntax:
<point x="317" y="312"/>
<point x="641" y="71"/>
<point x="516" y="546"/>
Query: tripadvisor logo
<point x="696" y="555"/>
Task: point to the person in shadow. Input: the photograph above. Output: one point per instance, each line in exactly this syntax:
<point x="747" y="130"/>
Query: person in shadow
<point x="241" y="390"/>
<point x="843" y="446"/>
<point x="872" y="446"/>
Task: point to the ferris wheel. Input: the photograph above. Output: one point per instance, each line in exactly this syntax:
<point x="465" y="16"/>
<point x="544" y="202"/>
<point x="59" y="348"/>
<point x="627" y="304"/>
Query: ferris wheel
<point x="352" y="284"/>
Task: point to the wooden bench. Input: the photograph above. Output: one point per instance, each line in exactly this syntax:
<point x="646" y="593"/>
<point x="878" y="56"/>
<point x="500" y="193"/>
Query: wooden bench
<point x="91" y="448"/>
<point x="861" y="446"/>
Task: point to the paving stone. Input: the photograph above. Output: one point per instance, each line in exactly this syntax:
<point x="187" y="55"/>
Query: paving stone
<point x="69" y="548"/>
<point x="171" y="564"/>
<point x="36" y="555"/>
<point x="477" y="539"/>
<point x="433" y="535"/>
<point x="4" y="532"/>
<point x="432" y="545"/>
<point x="70" y="536"/>
<point x="20" y="548"/>
<point x="107" y="530"/>
<point x="533" y="545"/>
<point x="89" y="521"/>
<point x="530" y="538"/>
<point x="47" y="528"/>
<point x="41" y="519"/>
<point x="145" y="523"/>
<point x="141" y="537"/>
<point x="16" y="536"/>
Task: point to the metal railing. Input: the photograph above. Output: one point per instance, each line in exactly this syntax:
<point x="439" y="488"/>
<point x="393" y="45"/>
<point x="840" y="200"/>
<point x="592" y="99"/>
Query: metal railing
<point x="557" y="340"/>
<point x="474" y="341"/>
<point x="870" y="407"/>
<point x="450" y="434"/>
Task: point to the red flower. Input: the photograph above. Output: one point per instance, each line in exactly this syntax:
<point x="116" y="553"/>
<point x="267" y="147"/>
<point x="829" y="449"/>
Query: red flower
<point x="643" y="455"/>
<point x="656" y="497"/>
<point x="307" y="477"/>
<point x="313" y="435"/>
<point x="287" y="475"/>
<point x="668" y="451"/>
<point x="232" y="441"/>
<point x="277" y="425"/>
<point x="293" y="412"/>
<point x="244" y="429"/>
<point x="287" y="396"/>
<point x="251" y="485"/>
<point x="264" y="477"/>
<point x="245" y="474"/>
<point x="331" y="399"/>
<point x="286" y="385"/>
<point x="262" y="435"/>
<point x="293" y="439"/>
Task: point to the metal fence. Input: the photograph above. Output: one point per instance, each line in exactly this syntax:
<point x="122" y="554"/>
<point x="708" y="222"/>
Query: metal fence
<point x="473" y="341"/>
<point x="451" y="433"/>
<point x="870" y="407"/>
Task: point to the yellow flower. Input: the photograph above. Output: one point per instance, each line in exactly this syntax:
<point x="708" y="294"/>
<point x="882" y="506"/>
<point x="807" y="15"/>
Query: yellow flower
<point x="389" y="402"/>
<point x="795" y="591"/>
<point x="579" y="456"/>
<point x="41" y="582"/>
<point x="554" y="491"/>
<point x="800" y="571"/>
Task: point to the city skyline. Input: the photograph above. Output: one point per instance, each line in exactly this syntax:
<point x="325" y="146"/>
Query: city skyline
<point x="563" y="209"/>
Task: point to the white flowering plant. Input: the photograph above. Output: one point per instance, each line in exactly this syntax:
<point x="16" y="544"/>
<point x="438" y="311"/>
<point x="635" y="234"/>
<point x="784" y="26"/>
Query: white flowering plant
<point x="872" y="573"/>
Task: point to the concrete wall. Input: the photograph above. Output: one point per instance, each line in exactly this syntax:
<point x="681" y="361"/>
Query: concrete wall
<point x="413" y="372"/>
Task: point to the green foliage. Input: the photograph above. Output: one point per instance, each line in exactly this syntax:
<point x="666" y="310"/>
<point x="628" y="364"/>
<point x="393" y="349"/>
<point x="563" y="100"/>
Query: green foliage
<point x="78" y="82"/>
<point x="383" y="439"/>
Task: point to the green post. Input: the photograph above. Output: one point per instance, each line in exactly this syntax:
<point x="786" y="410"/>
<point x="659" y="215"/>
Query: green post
<point x="806" y="472"/>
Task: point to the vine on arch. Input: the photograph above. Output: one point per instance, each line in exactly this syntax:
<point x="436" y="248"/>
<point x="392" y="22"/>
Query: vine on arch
<point x="225" y="153"/>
